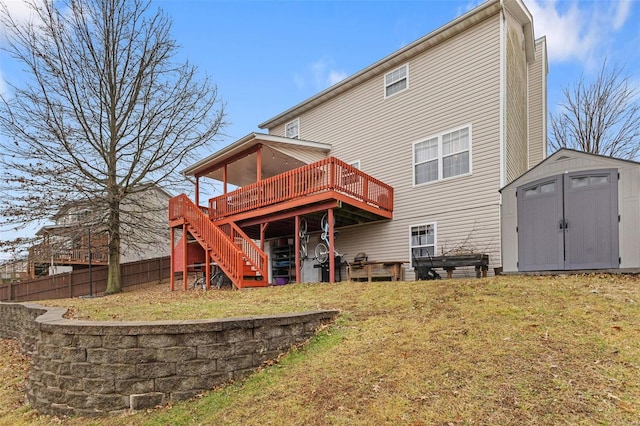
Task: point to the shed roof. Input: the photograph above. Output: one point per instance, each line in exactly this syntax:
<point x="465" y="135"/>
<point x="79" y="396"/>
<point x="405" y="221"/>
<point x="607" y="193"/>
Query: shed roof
<point x="564" y="154"/>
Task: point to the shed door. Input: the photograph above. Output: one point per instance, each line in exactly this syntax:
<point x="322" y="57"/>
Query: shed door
<point x="569" y="221"/>
<point x="540" y="238"/>
<point x="591" y="213"/>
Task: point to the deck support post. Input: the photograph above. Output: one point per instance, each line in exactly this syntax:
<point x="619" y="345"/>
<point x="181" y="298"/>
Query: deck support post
<point x="184" y="256"/>
<point x="296" y="238"/>
<point x="198" y="191"/>
<point x="224" y="179"/>
<point x="332" y="263"/>
<point x="207" y="268"/>
<point x="172" y="280"/>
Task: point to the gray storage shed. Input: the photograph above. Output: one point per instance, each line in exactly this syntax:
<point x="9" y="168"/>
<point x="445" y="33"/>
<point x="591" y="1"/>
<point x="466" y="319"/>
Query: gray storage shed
<point x="573" y="211"/>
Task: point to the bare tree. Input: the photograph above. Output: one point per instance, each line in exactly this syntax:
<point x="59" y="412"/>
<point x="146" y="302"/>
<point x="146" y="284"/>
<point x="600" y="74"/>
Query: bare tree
<point x="106" y="111"/>
<point x="601" y="117"/>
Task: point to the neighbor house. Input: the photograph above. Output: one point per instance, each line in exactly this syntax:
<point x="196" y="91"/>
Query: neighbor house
<point x="79" y="229"/>
<point x="404" y="159"/>
<point x="13" y="270"/>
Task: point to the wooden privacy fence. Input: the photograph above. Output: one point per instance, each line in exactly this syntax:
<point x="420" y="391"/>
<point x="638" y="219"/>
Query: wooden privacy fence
<point x="79" y="283"/>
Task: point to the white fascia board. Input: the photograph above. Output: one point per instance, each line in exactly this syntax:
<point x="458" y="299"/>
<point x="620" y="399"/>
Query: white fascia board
<point x="518" y="10"/>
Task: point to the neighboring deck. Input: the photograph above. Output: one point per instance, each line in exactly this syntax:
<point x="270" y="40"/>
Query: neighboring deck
<point x="43" y="255"/>
<point x="72" y="256"/>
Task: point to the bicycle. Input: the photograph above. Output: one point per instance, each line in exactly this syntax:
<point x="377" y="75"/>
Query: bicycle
<point x="217" y="280"/>
<point x="304" y="239"/>
<point x="322" y="248"/>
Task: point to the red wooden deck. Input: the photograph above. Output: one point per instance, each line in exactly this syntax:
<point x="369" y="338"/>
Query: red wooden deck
<point x="328" y="183"/>
<point x="320" y="178"/>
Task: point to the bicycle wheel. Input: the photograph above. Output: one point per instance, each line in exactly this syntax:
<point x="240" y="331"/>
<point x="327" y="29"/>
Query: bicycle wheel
<point x="322" y="253"/>
<point x="324" y="223"/>
<point x="198" y="282"/>
<point x="303" y="227"/>
<point x="217" y="281"/>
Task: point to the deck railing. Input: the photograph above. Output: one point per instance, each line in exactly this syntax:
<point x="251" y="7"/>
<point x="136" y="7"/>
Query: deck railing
<point x="329" y="174"/>
<point x="43" y="253"/>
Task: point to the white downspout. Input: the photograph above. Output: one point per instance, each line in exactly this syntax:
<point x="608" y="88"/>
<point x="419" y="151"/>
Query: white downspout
<point x="503" y="100"/>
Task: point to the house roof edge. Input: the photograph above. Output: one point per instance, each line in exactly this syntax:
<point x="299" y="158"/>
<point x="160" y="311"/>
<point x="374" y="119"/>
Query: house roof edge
<point x="441" y="34"/>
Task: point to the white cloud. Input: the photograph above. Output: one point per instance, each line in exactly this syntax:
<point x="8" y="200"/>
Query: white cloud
<point x="577" y="30"/>
<point x="336" y="77"/>
<point x="622" y="13"/>
<point x="566" y="31"/>
<point x="319" y="75"/>
<point x="19" y="10"/>
<point x="21" y="13"/>
<point x="472" y="4"/>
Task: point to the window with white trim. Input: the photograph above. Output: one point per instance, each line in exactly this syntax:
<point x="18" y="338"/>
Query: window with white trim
<point x="292" y="129"/>
<point x="442" y="156"/>
<point x="396" y="81"/>
<point x="423" y="241"/>
<point x="349" y="177"/>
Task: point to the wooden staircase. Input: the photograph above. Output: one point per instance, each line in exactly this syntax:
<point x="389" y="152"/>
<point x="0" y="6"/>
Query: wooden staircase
<point x="227" y="245"/>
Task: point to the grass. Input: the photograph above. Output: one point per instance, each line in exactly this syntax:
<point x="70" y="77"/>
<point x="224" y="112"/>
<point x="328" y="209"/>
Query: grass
<point x="504" y="350"/>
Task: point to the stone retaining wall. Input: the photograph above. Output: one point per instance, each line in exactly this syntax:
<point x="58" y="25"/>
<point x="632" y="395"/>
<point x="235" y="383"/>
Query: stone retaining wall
<point x="93" y="368"/>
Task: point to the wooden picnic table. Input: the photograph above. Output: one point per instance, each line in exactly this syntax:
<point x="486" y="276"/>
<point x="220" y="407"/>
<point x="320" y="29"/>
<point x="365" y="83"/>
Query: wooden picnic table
<point x="391" y="269"/>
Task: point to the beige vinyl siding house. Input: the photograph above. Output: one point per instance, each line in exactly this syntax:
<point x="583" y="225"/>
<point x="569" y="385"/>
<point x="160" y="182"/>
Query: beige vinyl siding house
<point x="471" y="74"/>
<point x="516" y="99"/>
<point x="537" y="130"/>
<point x="435" y="128"/>
<point x="79" y="226"/>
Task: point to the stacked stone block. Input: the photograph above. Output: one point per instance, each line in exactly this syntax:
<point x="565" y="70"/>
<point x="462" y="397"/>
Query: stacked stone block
<point x="94" y="368"/>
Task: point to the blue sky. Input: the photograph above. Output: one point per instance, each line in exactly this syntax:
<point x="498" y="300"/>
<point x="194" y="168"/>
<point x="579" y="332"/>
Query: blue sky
<point x="267" y="56"/>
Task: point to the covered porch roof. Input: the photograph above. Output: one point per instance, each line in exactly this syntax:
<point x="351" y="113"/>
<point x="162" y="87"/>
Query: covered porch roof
<point x="272" y="154"/>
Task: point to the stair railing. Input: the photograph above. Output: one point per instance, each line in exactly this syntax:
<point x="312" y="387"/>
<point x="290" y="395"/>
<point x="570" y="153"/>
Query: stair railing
<point x="255" y="256"/>
<point x="222" y="249"/>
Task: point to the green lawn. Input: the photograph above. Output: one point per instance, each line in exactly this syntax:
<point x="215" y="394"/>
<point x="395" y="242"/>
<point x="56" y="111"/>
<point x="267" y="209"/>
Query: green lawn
<point x="499" y="351"/>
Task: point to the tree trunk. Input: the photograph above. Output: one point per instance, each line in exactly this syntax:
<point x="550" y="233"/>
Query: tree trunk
<point x="113" y="281"/>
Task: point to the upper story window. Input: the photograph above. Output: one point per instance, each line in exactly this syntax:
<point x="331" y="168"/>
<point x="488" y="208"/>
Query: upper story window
<point x="442" y="156"/>
<point x="396" y="81"/>
<point x="292" y="129"/>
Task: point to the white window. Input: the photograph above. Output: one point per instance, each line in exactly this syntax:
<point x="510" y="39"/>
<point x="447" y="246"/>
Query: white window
<point x="442" y="156"/>
<point x="423" y="241"/>
<point x="292" y="129"/>
<point x="396" y="81"/>
<point x="349" y="177"/>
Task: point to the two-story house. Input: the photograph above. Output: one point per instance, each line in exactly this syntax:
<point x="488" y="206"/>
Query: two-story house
<point x="404" y="158"/>
<point x="79" y="231"/>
